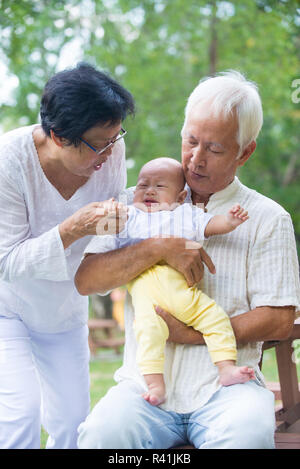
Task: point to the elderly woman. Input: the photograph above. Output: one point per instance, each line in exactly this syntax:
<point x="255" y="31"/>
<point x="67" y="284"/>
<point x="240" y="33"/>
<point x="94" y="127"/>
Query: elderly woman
<point x="53" y="178"/>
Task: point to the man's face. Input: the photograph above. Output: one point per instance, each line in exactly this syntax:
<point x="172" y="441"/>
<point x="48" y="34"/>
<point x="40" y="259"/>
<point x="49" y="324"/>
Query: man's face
<point x="209" y="152"/>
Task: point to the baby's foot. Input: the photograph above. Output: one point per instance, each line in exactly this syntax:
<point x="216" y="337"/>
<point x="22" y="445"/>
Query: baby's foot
<point x="154" y="398"/>
<point x="232" y="374"/>
<point x="156" y="392"/>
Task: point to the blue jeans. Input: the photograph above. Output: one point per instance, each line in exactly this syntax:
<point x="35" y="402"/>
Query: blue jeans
<point x="236" y="417"/>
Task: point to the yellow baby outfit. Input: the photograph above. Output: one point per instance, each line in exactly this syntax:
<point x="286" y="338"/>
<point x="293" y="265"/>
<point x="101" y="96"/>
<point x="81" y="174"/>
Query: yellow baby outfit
<point x="164" y="286"/>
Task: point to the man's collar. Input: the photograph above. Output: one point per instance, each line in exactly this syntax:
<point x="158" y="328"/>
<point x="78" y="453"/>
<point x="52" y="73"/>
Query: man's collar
<point x="220" y="196"/>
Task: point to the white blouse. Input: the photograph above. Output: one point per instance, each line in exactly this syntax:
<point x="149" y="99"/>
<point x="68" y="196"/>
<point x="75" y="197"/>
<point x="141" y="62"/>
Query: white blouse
<point x="36" y="272"/>
<point x="256" y="265"/>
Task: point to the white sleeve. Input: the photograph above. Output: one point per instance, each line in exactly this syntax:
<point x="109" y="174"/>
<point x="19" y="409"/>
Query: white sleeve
<point x="201" y="219"/>
<point x="273" y="269"/>
<point x="21" y="255"/>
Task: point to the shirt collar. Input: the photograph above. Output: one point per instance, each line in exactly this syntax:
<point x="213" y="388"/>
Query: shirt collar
<point x="220" y="196"/>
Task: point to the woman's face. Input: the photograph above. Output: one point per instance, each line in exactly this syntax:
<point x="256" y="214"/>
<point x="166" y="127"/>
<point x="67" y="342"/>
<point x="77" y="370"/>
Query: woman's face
<point x="82" y="160"/>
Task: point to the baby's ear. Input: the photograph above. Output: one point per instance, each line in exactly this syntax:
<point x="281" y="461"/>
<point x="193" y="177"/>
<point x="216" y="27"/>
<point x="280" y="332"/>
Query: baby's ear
<point x="181" y="196"/>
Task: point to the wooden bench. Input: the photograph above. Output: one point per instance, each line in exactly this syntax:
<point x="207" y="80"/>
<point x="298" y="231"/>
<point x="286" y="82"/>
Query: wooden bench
<point x="108" y="328"/>
<point x="288" y="390"/>
<point x="282" y="441"/>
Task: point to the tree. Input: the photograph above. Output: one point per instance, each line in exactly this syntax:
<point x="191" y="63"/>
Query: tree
<point x="159" y="50"/>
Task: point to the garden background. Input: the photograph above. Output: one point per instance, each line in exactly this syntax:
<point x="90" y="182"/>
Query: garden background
<point x="159" y="50"/>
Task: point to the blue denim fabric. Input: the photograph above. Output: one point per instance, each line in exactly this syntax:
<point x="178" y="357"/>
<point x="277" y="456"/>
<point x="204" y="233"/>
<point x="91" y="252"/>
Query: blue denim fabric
<point x="235" y="417"/>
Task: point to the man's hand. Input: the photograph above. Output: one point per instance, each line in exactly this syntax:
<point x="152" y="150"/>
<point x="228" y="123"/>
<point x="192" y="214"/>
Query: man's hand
<point x="106" y="271"/>
<point x="187" y="261"/>
<point x="179" y="332"/>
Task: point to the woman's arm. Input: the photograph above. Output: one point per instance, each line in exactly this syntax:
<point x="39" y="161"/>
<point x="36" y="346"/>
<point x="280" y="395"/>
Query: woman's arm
<point x="99" y="273"/>
<point x="41" y="257"/>
<point x="21" y="254"/>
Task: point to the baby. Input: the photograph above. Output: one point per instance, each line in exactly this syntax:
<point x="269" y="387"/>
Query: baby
<point x="159" y="210"/>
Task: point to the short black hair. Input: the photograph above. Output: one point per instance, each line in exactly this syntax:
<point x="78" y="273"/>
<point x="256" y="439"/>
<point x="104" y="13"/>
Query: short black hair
<point x="74" y="100"/>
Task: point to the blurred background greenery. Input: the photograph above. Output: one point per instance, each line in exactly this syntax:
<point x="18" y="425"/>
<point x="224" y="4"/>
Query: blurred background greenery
<point x="159" y="50"/>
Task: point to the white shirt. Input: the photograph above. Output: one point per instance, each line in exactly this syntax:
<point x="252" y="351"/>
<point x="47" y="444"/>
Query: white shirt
<point x="256" y="265"/>
<point x="36" y="273"/>
<point x="185" y="221"/>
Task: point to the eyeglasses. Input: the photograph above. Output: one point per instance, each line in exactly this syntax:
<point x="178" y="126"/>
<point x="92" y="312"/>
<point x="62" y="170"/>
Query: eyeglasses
<point x="122" y="134"/>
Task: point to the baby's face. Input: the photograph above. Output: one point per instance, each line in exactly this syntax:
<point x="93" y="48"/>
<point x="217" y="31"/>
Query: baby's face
<point x="157" y="190"/>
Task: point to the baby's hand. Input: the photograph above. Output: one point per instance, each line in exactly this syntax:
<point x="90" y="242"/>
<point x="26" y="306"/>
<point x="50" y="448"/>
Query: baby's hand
<point x="114" y="217"/>
<point x="237" y="215"/>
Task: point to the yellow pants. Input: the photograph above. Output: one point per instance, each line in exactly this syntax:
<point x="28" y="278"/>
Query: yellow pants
<point x="161" y="285"/>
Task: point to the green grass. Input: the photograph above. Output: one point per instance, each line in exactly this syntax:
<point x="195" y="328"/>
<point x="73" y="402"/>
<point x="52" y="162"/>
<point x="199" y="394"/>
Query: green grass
<point x="102" y="372"/>
<point x="269" y="367"/>
<point x="101" y="376"/>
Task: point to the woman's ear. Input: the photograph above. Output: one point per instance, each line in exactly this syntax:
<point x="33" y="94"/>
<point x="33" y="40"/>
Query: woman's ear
<point x="59" y="141"/>
<point x="182" y="196"/>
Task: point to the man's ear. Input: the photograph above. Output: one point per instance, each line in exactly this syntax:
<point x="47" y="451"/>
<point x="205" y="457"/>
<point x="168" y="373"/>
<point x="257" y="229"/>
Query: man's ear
<point x="246" y="153"/>
<point x="59" y="141"/>
<point x="182" y="196"/>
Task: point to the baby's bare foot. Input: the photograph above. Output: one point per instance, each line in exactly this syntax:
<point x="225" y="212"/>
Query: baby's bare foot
<point x="156" y="393"/>
<point x="235" y="375"/>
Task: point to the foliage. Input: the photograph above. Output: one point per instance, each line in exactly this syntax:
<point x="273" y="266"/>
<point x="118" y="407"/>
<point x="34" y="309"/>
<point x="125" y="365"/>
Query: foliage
<point x="159" y="49"/>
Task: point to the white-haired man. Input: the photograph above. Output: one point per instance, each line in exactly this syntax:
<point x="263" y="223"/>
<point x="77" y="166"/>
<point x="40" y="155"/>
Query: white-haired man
<point x="256" y="282"/>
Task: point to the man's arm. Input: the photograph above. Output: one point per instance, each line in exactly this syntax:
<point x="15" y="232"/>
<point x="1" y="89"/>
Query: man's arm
<point x="259" y="325"/>
<point x="99" y="273"/>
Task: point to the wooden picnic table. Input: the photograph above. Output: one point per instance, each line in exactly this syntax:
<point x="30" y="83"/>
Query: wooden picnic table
<point x="109" y="327"/>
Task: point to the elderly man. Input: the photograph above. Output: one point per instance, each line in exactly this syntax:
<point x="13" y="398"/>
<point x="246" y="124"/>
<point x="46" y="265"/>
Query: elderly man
<point x="256" y="281"/>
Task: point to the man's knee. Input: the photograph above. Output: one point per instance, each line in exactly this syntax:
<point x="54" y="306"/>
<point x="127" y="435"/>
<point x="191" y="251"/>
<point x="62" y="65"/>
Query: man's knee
<point x="251" y="433"/>
<point x="101" y="432"/>
<point x="253" y="426"/>
<point x="245" y="419"/>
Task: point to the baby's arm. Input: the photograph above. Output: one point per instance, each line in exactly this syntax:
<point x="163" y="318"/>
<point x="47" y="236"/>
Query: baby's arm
<point x="222" y="224"/>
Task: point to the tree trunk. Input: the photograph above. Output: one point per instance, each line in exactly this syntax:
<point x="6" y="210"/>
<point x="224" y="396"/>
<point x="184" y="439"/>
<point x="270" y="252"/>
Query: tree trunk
<point x="213" y="40"/>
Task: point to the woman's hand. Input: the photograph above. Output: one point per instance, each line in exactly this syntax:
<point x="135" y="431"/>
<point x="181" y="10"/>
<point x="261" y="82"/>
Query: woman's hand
<point x="102" y="218"/>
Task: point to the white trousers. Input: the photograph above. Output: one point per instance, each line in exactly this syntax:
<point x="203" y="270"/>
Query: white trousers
<point x="44" y="379"/>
